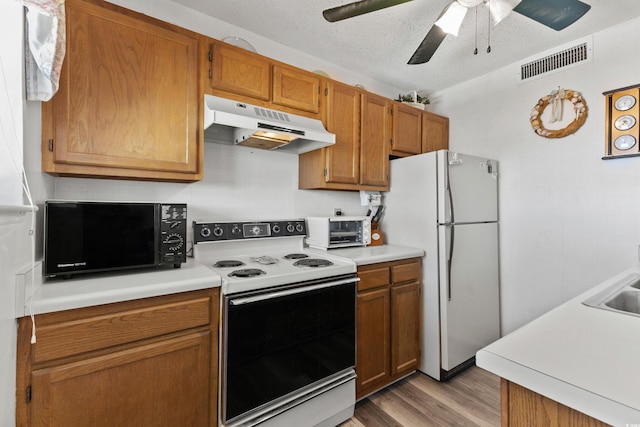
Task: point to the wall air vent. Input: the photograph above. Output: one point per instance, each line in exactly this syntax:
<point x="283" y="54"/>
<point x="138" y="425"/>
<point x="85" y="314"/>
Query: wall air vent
<point x="560" y="59"/>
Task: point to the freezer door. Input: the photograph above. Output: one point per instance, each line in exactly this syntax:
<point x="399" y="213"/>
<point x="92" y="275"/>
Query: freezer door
<point x="468" y="188"/>
<point x="469" y="291"/>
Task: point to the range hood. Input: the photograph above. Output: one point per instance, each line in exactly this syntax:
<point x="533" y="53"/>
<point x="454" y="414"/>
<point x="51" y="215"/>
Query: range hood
<point x="228" y="121"/>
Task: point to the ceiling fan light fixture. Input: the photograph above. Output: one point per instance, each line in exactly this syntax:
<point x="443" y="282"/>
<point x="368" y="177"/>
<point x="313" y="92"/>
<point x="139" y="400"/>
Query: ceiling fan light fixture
<point x="451" y="19"/>
<point x="500" y="9"/>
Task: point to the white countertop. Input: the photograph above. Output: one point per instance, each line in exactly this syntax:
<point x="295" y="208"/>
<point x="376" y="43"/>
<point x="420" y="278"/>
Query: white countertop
<point x="82" y="291"/>
<point x="583" y="357"/>
<point x="363" y="255"/>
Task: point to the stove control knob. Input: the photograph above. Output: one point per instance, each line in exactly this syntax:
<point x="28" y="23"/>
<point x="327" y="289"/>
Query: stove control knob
<point x="276" y="228"/>
<point x="236" y="230"/>
<point x="299" y="228"/>
<point x="217" y="231"/>
<point x="290" y="228"/>
<point x="205" y="231"/>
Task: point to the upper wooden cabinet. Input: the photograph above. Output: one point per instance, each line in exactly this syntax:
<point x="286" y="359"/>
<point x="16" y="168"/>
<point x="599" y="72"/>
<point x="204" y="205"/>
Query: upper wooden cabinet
<point x="416" y="131"/>
<point x="235" y="70"/>
<point x="407" y="130"/>
<point x="245" y="76"/>
<point x="375" y="134"/>
<point x="359" y="160"/>
<point x="128" y="104"/>
<point x="435" y="132"/>
<point x="296" y="89"/>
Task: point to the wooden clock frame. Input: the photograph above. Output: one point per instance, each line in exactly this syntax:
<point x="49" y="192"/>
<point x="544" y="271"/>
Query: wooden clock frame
<point x="622" y="122"/>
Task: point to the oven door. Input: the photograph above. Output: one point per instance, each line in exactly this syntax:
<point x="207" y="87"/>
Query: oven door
<point x="284" y="342"/>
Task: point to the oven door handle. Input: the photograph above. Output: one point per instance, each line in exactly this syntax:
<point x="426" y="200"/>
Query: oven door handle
<point x="278" y="294"/>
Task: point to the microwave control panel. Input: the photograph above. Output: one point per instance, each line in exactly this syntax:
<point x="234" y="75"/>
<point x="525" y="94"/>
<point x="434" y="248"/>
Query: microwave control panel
<point x="173" y="234"/>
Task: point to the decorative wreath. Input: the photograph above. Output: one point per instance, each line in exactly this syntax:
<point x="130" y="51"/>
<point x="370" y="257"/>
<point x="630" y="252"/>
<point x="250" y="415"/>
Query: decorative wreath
<point x="580" y="110"/>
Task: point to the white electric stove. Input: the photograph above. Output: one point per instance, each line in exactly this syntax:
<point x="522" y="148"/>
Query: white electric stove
<point x="260" y="255"/>
<point x="288" y="325"/>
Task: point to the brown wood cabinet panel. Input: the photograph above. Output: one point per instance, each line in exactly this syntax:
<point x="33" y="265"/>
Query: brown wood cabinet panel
<point x="435" y="130"/>
<point x="158" y="384"/>
<point x="405" y="327"/>
<point x="374" y="152"/>
<point x="110" y="116"/>
<point x="95" y="332"/>
<point x="343" y="119"/>
<point x="407" y="130"/>
<point x="371" y="278"/>
<point x="154" y="362"/>
<point x="521" y="407"/>
<point x="372" y="346"/>
<point x="388" y="323"/>
<point x="405" y="272"/>
<point x="237" y="71"/>
<point x="296" y="89"/>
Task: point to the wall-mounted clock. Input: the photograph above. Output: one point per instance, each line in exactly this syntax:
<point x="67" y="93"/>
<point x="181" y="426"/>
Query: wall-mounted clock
<point x="622" y="122"/>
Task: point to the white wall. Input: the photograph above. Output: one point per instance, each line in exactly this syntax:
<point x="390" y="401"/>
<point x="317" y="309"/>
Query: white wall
<point x="568" y="218"/>
<point x="14" y="225"/>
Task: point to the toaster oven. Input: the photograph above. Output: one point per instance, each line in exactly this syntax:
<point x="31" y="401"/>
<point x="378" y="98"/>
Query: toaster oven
<point x="338" y="231"/>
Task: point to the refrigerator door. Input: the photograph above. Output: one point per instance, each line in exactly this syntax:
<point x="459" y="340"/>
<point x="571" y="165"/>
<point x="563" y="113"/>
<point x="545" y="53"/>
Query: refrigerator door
<point x="469" y="189"/>
<point x="469" y="290"/>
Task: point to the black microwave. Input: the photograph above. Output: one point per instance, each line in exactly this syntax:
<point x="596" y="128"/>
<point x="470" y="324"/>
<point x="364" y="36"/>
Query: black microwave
<point x="86" y="237"/>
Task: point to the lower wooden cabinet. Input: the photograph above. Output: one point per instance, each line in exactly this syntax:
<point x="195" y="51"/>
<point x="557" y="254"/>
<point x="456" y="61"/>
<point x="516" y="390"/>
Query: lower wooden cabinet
<point x="388" y="323"/>
<point x="145" y="362"/>
<point x="523" y="407"/>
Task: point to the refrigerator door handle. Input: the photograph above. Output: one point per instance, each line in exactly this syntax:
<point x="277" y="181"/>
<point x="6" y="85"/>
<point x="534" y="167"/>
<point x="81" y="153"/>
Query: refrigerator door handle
<point x="451" y="218"/>
<point x="452" y="229"/>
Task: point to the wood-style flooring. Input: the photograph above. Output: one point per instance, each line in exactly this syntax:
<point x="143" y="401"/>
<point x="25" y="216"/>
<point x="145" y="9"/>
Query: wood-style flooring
<point x="472" y="398"/>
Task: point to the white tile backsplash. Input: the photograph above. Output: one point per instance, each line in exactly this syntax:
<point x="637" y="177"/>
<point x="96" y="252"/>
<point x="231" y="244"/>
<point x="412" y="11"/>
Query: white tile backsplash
<point x="239" y="183"/>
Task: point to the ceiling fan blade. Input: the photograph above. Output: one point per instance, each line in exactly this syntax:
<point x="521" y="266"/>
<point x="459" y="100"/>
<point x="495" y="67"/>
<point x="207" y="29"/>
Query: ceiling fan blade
<point x="555" y="14"/>
<point x="358" y="8"/>
<point x="428" y="47"/>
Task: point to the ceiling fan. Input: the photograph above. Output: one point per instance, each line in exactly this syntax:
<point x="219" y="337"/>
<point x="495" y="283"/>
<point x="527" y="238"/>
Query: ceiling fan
<point x="555" y="14"/>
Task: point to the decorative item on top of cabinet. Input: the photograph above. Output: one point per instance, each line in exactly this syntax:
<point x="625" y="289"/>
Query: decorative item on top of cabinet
<point x="557" y="100"/>
<point x="359" y="160"/>
<point x="152" y="361"/>
<point x="622" y="133"/>
<point x="111" y="117"/>
<point x="388" y="323"/>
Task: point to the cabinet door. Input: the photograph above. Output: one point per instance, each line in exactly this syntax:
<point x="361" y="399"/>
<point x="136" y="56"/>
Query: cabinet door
<point x="405" y="328"/>
<point x="237" y="71"/>
<point x="128" y="98"/>
<point x="407" y="130"/>
<point x="343" y="119"/>
<point x="372" y="342"/>
<point x="375" y="131"/>
<point x="164" y="383"/>
<point x="295" y="89"/>
<point x="435" y="129"/>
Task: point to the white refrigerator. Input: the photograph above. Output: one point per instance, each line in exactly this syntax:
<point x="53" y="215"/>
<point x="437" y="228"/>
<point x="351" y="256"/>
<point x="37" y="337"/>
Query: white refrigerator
<point x="447" y="204"/>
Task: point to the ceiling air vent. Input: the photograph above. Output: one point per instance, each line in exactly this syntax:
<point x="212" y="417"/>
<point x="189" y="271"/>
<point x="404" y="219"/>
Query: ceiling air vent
<point x="577" y="53"/>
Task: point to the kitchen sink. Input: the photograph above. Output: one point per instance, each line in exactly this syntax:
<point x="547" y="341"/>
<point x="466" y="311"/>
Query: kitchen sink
<point x="622" y="297"/>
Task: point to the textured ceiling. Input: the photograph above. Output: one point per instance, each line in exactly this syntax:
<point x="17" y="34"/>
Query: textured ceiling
<point x="380" y="43"/>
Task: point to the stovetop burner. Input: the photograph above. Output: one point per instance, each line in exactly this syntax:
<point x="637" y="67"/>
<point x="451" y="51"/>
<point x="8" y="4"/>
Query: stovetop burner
<point x="226" y="263"/>
<point x="247" y="272"/>
<point x="296" y="256"/>
<point x="313" y="262"/>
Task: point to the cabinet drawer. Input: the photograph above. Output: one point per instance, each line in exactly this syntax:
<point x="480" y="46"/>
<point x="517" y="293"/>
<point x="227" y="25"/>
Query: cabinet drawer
<point x="405" y="272"/>
<point x="79" y="331"/>
<point x="374" y="278"/>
